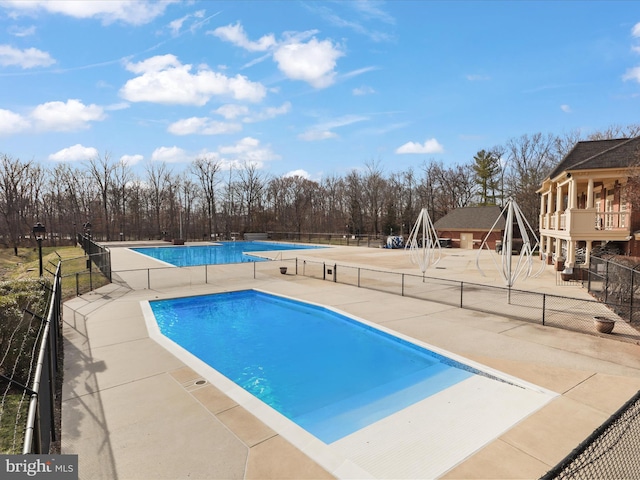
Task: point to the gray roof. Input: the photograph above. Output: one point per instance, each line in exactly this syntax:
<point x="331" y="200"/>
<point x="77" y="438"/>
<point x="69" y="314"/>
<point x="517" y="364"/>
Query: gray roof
<point x="477" y="218"/>
<point x="614" y="153"/>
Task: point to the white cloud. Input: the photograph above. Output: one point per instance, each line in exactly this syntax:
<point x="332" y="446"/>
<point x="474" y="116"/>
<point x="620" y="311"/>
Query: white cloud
<point x="323" y="131"/>
<point x="64" y="117"/>
<point x="364" y="90"/>
<point x="28" y="58"/>
<point x="74" y="153"/>
<point x="430" y="146"/>
<point x="248" y="150"/>
<point x="313" y="62"/>
<point x="236" y="35"/>
<point x="632" y="74"/>
<point x="230" y="111"/>
<point x="169" y="155"/>
<point x="298" y="173"/>
<point x="18" y="31"/>
<point x="565" y="108"/>
<point x="11" y="122"/>
<point x="165" y="80"/>
<point x="131" y="160"/>
<point x="268" y="113"/>
<point x="134" y="12"/>
<point x="202" y="126"/>
<point x="315" y="135"/>
<point x="635" y="31"/>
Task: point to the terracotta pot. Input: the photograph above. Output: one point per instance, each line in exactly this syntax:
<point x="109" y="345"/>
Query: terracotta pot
<point x="283" y="270"/>
<point x="604" y="324"/>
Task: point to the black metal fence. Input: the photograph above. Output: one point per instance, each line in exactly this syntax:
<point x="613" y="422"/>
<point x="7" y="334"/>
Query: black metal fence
<point x="616" y="285"/>
<point x="98" y="254"/>
<point x="329" y="238"/>
<point x="611" y="451"/>
<point x="541" y="308"/>
<point x="29" y="365"/>
<point x="41" y="423"/>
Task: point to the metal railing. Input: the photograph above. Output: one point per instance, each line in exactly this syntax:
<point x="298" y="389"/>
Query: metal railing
<point x="98" y="254"/>
<point x="541" y="308"/>
<point x="40" y="428"/>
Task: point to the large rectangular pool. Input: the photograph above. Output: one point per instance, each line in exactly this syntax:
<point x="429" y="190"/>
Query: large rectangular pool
<point x="330" y="374"/>
<point x="217" y="254"/>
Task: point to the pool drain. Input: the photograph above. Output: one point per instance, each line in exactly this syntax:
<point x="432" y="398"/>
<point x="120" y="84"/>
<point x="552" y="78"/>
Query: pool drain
<point x="201" y="382"/>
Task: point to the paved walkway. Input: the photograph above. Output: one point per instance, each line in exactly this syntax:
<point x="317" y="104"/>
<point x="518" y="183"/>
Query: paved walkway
<point x="131" y="410"/>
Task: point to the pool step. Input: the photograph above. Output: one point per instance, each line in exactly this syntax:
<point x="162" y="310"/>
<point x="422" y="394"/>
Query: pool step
<point x="335" y="421"/>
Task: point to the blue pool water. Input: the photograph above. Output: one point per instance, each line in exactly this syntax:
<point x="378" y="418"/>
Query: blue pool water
<point x="224" y="252"/>
<point x="330" y="374"/>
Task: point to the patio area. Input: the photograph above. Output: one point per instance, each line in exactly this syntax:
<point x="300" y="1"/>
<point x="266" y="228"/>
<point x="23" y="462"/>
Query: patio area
<point x="132" y="410"/>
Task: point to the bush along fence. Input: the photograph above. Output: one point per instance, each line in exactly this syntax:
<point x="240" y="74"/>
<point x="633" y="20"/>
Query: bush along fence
<point x="30" y="335"/>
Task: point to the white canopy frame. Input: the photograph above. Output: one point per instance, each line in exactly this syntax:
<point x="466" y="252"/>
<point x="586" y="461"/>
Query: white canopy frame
<point x="523" y="267"/>
<point x="423" y="244"/>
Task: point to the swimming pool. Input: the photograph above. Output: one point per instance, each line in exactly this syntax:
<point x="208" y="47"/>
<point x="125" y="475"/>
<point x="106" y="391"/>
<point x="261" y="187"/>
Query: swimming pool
<point x="217" y="254"/>
<point x="422" y="440"/>
<point x="330" y="374"/>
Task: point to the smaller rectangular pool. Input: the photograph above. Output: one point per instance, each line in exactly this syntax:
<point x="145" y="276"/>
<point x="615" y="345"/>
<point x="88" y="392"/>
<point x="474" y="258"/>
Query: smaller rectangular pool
<point x="217" y="254"/>
<point x="328" y="373"/>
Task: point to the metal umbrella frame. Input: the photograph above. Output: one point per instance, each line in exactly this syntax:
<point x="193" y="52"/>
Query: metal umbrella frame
<point x="423" y="244"/>
<point x="523" y="267"/>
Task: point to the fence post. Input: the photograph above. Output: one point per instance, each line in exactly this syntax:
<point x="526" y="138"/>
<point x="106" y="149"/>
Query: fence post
<point x="633" y="274"/>
<point x="461" y="289"/>
<point x="296" y="265"/>
<point x="148" y="279"/>
<point x="544" y="307"/>
<point x="206" y="274"/>
<point x="358" y="277"/>
<point x="324" y="271"/>
<point x="606" y="284"/>
<point x="402" y="292"/>
<point x="77" y="285"/>
<point x="335" y="273"/>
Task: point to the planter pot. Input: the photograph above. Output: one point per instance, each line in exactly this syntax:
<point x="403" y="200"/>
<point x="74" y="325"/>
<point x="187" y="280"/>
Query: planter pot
<point x="604" y="324"/>
<point x="566" y="277"/>
<point x="178" y="241"/>
<point x="283" y="270"/>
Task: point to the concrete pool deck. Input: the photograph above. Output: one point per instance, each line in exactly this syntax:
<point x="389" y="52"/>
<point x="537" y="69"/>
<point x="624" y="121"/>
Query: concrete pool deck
<point x="131" y="410"/>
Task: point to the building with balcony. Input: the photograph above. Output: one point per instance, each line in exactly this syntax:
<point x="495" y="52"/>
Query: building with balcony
<point x="586" y="202"/>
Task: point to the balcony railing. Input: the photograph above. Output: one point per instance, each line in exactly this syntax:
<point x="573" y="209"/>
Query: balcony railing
<point x="578" y="221"/>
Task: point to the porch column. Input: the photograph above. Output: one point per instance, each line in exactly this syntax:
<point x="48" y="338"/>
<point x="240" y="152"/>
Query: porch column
<point x="558" y="208"/>
<point x="587" y="254"/>
<point x="573" y="198"/>
<point x="590" y="194"/>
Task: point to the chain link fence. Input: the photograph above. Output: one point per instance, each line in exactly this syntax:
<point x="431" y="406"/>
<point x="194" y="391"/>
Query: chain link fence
<point x="617" y="285"/>
<point x="612" y="451"/>
<point x="541" y="308"/>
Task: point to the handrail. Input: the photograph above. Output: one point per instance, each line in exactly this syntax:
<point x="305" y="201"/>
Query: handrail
<point x="42" y="353"/>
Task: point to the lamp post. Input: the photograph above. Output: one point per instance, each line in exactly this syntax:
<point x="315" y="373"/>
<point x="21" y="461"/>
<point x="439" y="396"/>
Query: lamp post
<point x="38" y="231"/>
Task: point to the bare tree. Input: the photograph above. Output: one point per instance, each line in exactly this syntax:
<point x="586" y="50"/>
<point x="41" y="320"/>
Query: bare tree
<point x="101" y="170"/>
<point x="531" y="158"/>
<point x="14" y="189"/>
<point x="158" y="177"/>
<point x="206" y="170"/>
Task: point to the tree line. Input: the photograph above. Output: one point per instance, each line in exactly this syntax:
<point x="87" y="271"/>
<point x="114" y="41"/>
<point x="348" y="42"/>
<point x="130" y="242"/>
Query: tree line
<point x="208" y="200"/>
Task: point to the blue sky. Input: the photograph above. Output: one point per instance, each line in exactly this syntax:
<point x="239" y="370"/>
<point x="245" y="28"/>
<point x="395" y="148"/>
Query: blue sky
<point x="313" y="88"/>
